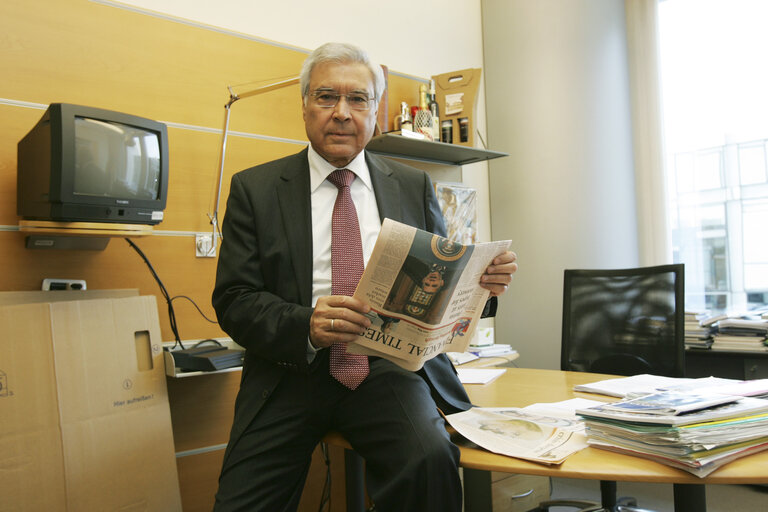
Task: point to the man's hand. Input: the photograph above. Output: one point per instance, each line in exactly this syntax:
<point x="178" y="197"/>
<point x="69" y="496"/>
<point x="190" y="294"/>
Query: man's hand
<point x="498" y="275"/>
<point x="337" y="319"/>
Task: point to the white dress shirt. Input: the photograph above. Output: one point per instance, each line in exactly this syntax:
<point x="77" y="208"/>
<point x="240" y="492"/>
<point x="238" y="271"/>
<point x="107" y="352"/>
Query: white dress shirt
<point x="323" y="196"/>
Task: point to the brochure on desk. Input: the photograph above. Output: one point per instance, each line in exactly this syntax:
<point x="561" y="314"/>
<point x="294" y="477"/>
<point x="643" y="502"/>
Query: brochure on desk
<point x="424" y="292"/>
<point x="743" y="407"/>
<point x="670" y="402"/>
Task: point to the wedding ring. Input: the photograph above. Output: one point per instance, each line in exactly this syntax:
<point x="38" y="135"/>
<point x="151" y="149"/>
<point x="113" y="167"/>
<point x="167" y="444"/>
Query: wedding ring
<point x="332" y="324"/>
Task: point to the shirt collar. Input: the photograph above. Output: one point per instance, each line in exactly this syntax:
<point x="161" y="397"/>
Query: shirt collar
<point x="319" y="169"/>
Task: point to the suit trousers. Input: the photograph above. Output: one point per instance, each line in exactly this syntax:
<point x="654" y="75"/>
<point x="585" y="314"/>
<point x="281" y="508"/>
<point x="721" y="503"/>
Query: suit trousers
<point x="390" y="420"/>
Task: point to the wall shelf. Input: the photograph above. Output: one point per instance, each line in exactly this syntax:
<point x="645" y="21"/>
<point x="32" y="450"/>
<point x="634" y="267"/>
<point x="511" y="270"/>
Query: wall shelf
<point x="77" y="235"/>
<point x="397" y="146"/>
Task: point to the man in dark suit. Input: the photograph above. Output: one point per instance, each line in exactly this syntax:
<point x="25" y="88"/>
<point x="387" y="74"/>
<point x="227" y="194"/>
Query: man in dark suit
<point x="273" y="296"/>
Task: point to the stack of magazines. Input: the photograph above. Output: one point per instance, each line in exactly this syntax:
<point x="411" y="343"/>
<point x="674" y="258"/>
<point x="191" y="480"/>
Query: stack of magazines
<point x="698" y="330"/>
<point x="745" y="334"/>
<point x="694" y="431"/>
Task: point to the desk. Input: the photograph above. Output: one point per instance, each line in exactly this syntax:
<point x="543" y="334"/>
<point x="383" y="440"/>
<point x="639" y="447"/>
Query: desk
<point x="519" y="387"/>
<point x="742" y="365"/>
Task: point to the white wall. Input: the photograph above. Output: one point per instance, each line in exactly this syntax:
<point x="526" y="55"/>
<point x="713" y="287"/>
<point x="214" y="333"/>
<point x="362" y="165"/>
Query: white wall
<point x="558" y="102"/>
<point x="420" y="39"/>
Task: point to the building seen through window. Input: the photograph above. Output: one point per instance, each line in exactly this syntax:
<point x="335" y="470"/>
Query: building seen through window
<point x="715" y="108"/>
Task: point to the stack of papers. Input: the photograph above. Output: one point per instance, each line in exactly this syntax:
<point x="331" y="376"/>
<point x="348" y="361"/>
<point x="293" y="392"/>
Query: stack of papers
<point x="697" y="432"/>
<point x="740" y="334"/>
<point x="697" y="333"/>
<point x="496" y="349"/>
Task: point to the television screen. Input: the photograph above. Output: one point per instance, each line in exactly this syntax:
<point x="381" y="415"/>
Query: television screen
<point x="86" y="164"/>
<point x="115" y="160"/>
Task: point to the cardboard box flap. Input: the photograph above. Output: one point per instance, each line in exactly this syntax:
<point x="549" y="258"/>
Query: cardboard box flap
<point x="84" y="417"/>
<point x="105" y="356"/>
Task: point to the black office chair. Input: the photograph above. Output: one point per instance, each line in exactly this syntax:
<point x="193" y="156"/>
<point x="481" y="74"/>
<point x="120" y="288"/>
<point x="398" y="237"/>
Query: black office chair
<point x="622" y="322"/>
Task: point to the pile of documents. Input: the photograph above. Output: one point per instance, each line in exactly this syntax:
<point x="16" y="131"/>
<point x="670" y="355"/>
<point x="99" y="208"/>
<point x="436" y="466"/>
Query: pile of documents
<point x="728" y="332"/>
<point x="692" y="424"/>
<point x="698" y="330"/>
<point x="745" y="334"/>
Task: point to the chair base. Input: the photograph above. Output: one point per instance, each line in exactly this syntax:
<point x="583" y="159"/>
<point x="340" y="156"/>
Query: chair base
<point x="623" y="504"/>
<point x="579" y="505"/>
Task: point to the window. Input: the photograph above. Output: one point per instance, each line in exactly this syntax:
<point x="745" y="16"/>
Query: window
<point x="715" y="109"/>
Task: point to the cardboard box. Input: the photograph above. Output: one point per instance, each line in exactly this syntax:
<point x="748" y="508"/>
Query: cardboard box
<point x="85" y="422"/>
<point x="456" y="96"/>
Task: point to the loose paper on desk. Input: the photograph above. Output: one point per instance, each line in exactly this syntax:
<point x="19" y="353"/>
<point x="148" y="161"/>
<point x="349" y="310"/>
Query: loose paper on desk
<point x="479" y="375"/>
<point x="521" y="434"/>
<point x="643" y="384"/>
<point x="424" y="292"/>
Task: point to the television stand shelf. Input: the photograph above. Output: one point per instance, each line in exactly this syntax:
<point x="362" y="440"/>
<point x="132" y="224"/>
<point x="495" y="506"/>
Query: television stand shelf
<point x="84" y="228"/>
<point x="77" y="235"/>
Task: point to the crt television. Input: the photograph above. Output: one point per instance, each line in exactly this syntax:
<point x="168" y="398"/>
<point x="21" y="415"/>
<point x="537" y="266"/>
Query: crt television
<point x="86" y="164"/>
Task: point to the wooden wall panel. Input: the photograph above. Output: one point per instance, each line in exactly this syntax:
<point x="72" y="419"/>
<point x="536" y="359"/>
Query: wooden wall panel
<point x="198" y="475"/>
<point x="84" y="52"/>
<point x="90" y="53"/>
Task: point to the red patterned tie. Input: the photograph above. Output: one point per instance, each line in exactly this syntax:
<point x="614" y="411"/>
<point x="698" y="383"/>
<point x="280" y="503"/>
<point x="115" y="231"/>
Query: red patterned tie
<point x="346" y="270"/>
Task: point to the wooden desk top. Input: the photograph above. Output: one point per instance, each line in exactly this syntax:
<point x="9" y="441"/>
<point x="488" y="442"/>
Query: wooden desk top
<point x="519" y="387"/>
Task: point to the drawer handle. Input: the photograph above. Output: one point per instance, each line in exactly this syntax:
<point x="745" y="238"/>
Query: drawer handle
<point x="523" y="495"/>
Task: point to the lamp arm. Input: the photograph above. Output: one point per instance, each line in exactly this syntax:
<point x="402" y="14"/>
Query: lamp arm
<point x="233" y="97"/>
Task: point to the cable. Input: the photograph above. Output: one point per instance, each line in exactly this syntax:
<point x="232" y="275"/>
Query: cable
<point x="325" y="497"/>
<point x="171" y="313"/>
<point x="196" y="307"/>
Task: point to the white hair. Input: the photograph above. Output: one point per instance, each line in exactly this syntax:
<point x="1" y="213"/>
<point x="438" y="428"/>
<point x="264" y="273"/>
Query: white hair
<point x="341" y="53"/>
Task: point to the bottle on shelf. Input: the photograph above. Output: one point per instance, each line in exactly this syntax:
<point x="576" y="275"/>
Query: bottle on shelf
<point x="422" y="121"/>
<point x="434" y="109"/>
<point x="446" y="131"/>
<point x="404" y="121"/>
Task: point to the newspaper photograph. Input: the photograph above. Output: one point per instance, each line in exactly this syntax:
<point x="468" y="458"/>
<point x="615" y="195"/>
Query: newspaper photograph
<point x="424" y="292"/>
<point x="520" y="433"/>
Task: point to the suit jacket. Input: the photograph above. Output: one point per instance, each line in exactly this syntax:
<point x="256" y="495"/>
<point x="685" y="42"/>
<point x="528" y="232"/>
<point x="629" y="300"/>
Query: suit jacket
<point x="263" y="291"/>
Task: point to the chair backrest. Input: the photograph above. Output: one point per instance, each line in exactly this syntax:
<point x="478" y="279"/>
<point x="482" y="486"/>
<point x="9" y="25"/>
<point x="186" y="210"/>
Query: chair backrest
<point x="624" y="321"/>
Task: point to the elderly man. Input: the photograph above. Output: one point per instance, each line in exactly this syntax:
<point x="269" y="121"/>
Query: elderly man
<point x="296" y="234"/>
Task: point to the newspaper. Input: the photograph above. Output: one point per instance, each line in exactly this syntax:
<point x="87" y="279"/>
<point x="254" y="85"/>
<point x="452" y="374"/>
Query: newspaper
<point x="424" y="292"/>
<point x="521" y="433"/>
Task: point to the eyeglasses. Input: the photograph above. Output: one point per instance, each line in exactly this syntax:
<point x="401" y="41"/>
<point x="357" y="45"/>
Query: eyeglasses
<point x="329" y="99"/>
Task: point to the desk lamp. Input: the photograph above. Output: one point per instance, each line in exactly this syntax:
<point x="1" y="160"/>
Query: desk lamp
<point x="233" y="97"/>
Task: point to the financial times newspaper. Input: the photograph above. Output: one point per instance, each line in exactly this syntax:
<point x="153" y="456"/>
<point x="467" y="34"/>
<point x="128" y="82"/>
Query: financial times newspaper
<point x="424" y="292"/>
<point x="522" y="433"/>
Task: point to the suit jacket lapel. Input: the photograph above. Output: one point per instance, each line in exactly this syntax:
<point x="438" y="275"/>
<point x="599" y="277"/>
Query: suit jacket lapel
<point x="295" y="209"/>
<point x="385" y="188"/>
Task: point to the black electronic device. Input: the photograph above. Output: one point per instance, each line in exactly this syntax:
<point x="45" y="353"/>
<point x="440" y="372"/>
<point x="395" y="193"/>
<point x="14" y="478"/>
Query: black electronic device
<point x="86" y="164"/>
<point x="207" y="358"/>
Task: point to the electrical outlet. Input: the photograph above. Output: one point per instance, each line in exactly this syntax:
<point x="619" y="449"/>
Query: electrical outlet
<point x="63" y="284"/>
<point x="204" y="245"/>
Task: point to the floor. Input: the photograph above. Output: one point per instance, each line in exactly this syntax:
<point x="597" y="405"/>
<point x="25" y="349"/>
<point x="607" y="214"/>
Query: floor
<point x="658" y="497"/>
